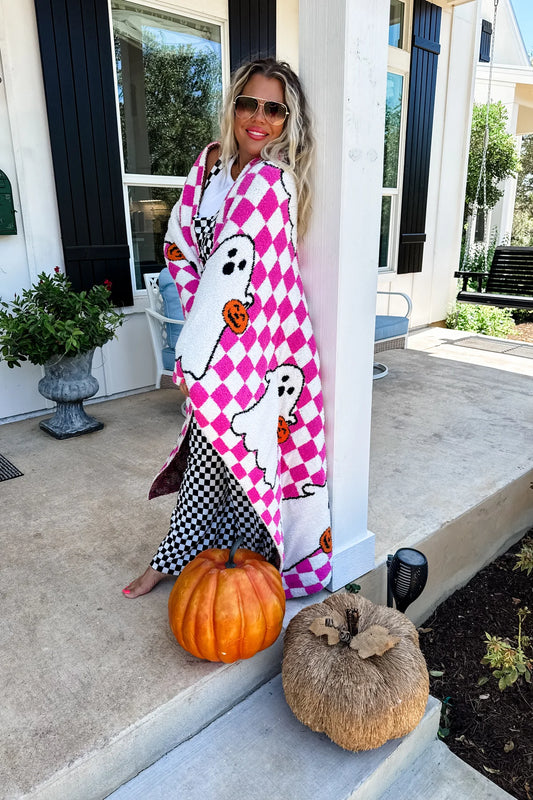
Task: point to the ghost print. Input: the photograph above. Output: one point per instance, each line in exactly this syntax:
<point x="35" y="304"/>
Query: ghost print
<point x="258" y="425"/>
<point x="308" y="518"/>
<point x="222" y="300"/>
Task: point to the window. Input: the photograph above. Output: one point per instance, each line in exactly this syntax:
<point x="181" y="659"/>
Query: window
<point x="396" y="32"/>
<point x="485" y="41"/>
<point x="391" y="169"/>
<point x="480" y="233"/>
<point x="169" y="85"/>
<point x="396" y="100"/>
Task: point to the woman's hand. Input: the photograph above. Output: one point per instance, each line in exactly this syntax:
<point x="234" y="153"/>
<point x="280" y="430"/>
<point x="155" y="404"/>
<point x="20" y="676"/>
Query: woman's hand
<point x="183" y="387"/>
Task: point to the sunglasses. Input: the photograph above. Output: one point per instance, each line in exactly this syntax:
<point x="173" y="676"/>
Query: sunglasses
<point x="246" y="107"/>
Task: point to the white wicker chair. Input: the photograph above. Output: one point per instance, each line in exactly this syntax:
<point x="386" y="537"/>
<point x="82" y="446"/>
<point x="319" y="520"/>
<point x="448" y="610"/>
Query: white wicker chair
<point x="157" y="322"/>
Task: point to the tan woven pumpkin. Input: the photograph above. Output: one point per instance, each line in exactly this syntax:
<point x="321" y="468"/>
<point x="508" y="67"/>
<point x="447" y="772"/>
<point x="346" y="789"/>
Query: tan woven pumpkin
<point x="345" y="689"/>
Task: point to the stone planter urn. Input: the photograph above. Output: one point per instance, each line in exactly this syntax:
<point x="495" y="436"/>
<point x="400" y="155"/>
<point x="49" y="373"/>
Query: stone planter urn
<point x="68" y="381"/>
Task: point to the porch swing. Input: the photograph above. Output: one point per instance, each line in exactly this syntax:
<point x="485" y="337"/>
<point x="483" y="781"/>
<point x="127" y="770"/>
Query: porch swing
<point x="510" y="277"/>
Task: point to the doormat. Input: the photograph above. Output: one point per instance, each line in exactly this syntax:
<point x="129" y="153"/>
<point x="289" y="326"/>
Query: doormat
<point x="497" y="346"/>
<point x="8" y="470"/>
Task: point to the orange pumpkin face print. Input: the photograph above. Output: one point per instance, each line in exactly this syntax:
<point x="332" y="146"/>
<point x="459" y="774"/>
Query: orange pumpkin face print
<point x="173" y="253"/>
<point x="236" y="316"/>
<point x="283" y="430"/>
<point x="325" y="541"/>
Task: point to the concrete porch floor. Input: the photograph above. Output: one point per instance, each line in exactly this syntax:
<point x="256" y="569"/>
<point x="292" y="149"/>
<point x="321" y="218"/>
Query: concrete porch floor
<point x="85" y="672"/>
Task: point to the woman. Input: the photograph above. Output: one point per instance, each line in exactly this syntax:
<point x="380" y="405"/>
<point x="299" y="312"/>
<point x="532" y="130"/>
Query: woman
<point x="250" y="459"/>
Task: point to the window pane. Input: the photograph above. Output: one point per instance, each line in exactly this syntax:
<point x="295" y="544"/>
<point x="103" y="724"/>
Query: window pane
<point x="393" y="118"/>
<point x="169" y="73"/>
<point x="396" y="23"/>
<point x="149" y="212"/>
<point x="479" y="235"/>
<point x="386" y="207"/>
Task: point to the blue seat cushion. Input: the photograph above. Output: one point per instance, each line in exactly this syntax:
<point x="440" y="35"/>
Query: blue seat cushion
<point x="169" y="358"/>
<point x="172" y="306"/>
<point x="387" y="327"/>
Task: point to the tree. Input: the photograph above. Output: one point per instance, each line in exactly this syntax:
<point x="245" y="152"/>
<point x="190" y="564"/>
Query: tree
<point x="523" y="211"/>
<point x="181" y="92"/>
<point x="502" y="160"/>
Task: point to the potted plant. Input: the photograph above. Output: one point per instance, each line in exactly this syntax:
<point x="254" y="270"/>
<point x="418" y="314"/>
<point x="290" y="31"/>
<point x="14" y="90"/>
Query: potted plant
<point x="53" y="325"/>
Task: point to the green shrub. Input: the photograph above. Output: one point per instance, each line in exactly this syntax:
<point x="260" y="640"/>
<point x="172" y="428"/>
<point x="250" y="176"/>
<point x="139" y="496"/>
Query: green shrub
<point x="478" y="258"/>
<point x="52" y="319"/>
<point x="524" y="559"/>
<point x="522" y="315"/>
<point x="488" y="320"/>
<point x="474" y="260"/>
<point x="508" y="659"/>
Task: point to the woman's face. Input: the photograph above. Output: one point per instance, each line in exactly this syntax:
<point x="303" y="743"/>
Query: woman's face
<point x="254" y="133"/>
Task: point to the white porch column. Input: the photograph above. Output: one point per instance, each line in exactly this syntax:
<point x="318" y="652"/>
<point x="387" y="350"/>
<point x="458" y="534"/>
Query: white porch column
<point x="343" y="65"/>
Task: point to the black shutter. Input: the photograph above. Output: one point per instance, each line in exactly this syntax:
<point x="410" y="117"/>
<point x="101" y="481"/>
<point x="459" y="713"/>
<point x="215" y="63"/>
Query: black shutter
<point x="77" y="65"/>
<point x="485" y="41"/>
<point x="252" y="30"/>
<point x="424" y="55"/>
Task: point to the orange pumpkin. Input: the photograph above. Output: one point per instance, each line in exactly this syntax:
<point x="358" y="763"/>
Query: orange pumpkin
<point x="235" y="316"/>
<point x="326" y="542"/>
<point x="283" y="430"/>
<point x="227" y="605"/>
<point x="173" y="253"/>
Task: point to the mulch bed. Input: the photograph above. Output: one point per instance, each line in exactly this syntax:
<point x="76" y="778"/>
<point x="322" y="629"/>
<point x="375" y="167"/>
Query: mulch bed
<point x="491" y="730"/>
<point x="523" y="332"/>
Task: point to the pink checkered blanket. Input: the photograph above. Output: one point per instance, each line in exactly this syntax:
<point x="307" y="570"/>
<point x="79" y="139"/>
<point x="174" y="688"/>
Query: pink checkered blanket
<point x="249" y="358"/>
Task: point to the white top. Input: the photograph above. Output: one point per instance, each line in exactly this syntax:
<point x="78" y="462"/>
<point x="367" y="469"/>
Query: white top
<point x="215" y="192"/>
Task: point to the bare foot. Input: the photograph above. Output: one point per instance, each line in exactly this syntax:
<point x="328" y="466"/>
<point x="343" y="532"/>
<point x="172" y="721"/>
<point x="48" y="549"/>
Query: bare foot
<point x="144" y="584"/>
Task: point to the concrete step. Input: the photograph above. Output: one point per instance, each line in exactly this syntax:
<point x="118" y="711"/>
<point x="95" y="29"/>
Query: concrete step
<point x="212" y="691"/>
<point x="259" y="751"/>
<point x="440" y="775"/>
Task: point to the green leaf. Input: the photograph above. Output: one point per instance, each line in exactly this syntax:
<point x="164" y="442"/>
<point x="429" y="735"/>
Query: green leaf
<point x="436" y="673"/>
<point x="482" y="681"/>
<point x="353" y="588"/>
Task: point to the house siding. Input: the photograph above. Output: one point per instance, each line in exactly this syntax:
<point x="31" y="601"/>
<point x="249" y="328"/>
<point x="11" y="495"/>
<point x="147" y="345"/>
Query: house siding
<point x="126" y="364"/>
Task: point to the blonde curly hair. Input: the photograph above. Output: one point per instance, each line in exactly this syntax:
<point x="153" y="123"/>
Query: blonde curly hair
<point x="294" y="149"/>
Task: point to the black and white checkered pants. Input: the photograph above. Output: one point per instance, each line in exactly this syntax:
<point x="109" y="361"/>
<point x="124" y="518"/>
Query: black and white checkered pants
<point x="212" y="510"/>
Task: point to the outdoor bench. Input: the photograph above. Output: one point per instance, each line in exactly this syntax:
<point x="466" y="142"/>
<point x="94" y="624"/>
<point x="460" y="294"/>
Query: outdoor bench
<point x="509" y="281"/>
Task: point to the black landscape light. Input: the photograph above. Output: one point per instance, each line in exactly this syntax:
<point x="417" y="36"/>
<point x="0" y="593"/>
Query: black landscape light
<point x="407" y="573"/>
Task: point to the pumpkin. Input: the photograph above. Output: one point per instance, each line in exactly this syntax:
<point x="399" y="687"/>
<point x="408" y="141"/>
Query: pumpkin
<point x="227" y="605"/>
<point x="326" y="542"/>
<point x="235" y="316"/>
<point x="354" y="670"/>
<point x="283" y="430"/>
<point x="173" y="253"/>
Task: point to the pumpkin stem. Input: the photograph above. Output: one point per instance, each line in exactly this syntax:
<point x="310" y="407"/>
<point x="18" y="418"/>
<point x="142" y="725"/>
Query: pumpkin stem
<point x="352" y="619"/>
<point x="230" y="563"/>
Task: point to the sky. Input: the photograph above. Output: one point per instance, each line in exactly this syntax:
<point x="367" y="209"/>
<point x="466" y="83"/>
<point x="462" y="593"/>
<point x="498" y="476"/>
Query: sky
<point x="523" y="10"/>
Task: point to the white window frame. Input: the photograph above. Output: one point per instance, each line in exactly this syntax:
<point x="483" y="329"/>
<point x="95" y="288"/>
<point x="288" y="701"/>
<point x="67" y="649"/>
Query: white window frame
<point x="130" y="179"/>
<point x="399" y="61"/>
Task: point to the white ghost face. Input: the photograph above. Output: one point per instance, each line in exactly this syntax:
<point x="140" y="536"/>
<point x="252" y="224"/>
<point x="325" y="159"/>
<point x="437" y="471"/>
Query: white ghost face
<point x="221" y="302"/>
<point x="259" y="424"/>
<point x="290" y="383"/>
